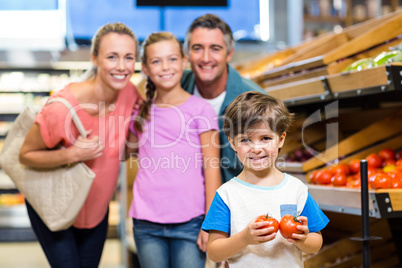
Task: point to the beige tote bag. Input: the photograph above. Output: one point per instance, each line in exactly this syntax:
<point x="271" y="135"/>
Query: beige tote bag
<point x="58" y="194"/>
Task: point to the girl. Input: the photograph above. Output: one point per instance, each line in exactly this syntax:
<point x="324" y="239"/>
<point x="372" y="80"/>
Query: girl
<point x="105" y="96"/>
<point x="178" y="162"/>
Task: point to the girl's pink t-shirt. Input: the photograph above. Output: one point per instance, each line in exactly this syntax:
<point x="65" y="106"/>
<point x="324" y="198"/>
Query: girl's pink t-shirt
<point x="57" y="128"/>
<point x="169" y="186"/>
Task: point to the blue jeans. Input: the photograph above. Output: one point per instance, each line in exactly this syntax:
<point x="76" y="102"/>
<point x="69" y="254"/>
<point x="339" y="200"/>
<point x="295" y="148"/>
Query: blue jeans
<point x="70" y="248"/>
<point x="168" y="245"/>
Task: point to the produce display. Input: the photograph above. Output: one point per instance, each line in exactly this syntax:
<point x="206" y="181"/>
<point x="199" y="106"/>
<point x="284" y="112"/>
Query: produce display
<point x="385" y="57"/>
<point x="299" y="155"/>
<point x="11" y="199"/>
<point x="384" y="172"/>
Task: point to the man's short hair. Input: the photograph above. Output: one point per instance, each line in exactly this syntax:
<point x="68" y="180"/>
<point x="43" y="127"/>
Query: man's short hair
<point x="210" y="21"/>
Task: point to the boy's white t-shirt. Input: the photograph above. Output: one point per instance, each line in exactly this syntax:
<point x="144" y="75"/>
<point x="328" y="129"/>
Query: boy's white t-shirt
<point x="237" y="203"/>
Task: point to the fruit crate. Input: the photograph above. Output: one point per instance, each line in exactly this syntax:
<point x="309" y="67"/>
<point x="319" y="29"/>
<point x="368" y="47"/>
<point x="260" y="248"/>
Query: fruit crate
<point x="317" y="55"/>
<point x="376" y="132"/>
<point x="356" y="139"/>
<point x="382" y="77"/>
<point x="384" y="203"/>
<point x="314" y="71"/>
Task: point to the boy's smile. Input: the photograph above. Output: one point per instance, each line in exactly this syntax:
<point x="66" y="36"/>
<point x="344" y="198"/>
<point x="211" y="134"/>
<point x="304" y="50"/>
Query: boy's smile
<point x="258" y="149"/>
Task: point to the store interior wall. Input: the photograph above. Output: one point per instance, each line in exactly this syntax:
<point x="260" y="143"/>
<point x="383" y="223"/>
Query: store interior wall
<point x="281" y="36"/>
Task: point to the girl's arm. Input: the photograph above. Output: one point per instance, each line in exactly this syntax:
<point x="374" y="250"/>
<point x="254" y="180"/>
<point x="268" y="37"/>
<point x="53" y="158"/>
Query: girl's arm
<point x="306" y="242"/>
<point x="211" y="165"/>
<point x="210" y="153"/>
<point x="221" y="247"/>
<point x="34" y="152"/>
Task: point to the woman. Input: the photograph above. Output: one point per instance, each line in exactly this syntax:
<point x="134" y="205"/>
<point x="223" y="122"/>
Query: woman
<point x="104" y="102"/>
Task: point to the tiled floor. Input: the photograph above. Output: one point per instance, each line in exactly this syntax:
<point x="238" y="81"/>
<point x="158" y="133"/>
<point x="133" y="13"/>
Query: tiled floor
<point x="30" y="255"/>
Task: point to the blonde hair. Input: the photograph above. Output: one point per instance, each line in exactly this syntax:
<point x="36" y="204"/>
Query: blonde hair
<point x="119" y="28"/>
<point x="150" y="86"/>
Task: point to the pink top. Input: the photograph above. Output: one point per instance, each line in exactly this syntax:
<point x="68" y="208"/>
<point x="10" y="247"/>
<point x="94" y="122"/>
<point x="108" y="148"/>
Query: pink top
<point x="55" y="124"/>
<point x="169" y="186"/>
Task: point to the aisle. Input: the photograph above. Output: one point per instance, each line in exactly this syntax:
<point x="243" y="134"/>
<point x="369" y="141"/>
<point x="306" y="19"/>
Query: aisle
<point x="30" y="255"/>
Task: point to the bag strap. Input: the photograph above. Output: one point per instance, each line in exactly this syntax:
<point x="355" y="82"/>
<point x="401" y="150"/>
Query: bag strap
<point x="73" y="114"/>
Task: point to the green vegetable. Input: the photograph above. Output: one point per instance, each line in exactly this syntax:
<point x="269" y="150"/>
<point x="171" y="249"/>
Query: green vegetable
<point x="385" y="57"/>
<point x="361" y="65"/>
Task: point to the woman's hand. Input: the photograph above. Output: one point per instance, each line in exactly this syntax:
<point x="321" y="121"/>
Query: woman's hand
<point x="138" y="104"/>
<point x="86" y="149"/>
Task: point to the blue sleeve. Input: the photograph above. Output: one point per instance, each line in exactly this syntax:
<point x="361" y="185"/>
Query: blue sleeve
<point x="218" y="216"/>
<point x="316" y="218"/>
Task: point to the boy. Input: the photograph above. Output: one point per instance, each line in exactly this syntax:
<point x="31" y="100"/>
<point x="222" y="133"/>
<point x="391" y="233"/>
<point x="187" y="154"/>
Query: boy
<point x="256" y="126"/>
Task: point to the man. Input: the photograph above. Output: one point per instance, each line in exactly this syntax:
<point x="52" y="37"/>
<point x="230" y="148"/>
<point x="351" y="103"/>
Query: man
<point x="210" y="46"/>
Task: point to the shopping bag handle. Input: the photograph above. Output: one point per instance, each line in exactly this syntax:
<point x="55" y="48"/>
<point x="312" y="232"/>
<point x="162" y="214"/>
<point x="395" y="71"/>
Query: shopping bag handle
<point x="73" y="114"/>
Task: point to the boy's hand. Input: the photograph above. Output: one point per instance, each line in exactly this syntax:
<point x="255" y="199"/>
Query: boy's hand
<point x="298" y="239"/>
<point x="253" y="235"/>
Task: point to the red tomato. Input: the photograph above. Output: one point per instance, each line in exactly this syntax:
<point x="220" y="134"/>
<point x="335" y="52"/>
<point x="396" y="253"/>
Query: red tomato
<point x="389" y="162"/>
<point x="381" y="181"/>
<point x="397" y="183"/>
<point x="374" y="161"/>
<point x="341" y="168"/>
<point x="387" y="153"/>
<point x="324" y="177"/>
<point x="339" y="179"/>
<point x="271" y="222"/>
<point x="354" y="183"/>
<point x="373" y="171"/>
<point x="352" y="177"/>
<point x="398" y="155"/>
<point x="288" y="226"/>
<point x="395" y="174"/>
<point x="313" y="176"/>
<point x="399" y="162"/>
<point x="354" y="166"/>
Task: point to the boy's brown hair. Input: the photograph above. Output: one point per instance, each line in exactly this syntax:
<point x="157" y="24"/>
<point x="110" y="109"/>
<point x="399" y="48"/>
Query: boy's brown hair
<point x="253" y="107"/>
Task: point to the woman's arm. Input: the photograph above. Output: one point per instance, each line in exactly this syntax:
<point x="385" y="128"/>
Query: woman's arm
<point x="34" y="152"/>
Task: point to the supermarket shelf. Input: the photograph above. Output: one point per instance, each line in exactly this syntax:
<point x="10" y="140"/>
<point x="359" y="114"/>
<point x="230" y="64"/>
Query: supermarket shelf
<point x="382" y="204"/>
<point x="392" y="82"/>
<point x="15" y="216"/>
<point x="17" y="235"/>
<point x="36" y="93"/>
